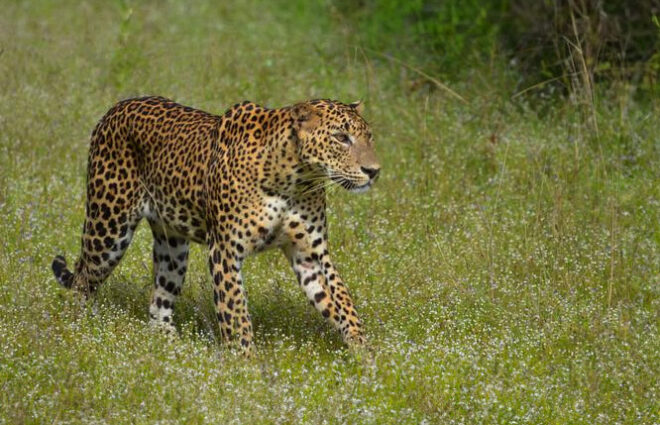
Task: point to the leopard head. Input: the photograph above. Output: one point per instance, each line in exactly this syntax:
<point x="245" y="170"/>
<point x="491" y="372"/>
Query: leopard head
<point x="333" y="138"/>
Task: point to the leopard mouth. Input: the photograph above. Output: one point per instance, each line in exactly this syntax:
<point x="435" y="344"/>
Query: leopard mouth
<point x="352" y="186"/>
<point x="361" y="189"/>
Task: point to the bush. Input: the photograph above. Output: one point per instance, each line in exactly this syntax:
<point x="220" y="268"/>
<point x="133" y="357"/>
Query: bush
<point x="606" y="40"/>
<point x="567" y="43"/>
<point x="439" y="35"/>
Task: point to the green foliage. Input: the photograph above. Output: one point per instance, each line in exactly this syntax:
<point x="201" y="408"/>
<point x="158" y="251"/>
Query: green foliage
<point x="554" y="44"/>
<point x="506" y="263"/>
<point x="607" y="42"/>
<point x="447" y="36"/>
<point x="127" y="56"/>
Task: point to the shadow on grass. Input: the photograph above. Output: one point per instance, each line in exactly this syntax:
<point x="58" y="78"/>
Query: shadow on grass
<point x="276" y="315"/>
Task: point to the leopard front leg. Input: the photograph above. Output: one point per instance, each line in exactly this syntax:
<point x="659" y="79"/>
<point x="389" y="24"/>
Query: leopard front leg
<point x="351" y="325"/>
<point x="229" y="294"/>
<point x="323" y="287"/>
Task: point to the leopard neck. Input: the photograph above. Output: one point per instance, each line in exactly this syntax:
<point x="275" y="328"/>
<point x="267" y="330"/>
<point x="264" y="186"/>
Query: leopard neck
<point x="281" y="170"/>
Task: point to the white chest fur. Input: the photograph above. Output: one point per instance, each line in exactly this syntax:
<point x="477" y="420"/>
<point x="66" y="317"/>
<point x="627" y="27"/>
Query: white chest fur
<point x="268" y="232"/>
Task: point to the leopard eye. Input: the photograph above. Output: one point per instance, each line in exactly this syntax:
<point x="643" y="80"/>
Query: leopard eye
<point x="343" y="138"/>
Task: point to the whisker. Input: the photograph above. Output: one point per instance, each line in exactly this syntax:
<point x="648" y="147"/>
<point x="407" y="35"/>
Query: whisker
<point x="314" y="181"/>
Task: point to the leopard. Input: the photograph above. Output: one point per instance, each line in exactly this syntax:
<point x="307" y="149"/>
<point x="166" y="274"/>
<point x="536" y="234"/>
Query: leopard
<point x="248" y="180"/>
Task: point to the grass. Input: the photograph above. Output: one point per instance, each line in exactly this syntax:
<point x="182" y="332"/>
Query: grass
<point x="506" y="265"/>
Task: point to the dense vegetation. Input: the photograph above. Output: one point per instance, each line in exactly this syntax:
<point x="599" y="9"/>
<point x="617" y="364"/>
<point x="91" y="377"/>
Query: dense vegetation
<point x="548" y="42"/>
<point x="506" y="265"/>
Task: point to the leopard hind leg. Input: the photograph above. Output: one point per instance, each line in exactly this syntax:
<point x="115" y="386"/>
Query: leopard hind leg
<point x="114" y="207"/>
<point x="170" y="255"/>
<point x="101" y="251"/>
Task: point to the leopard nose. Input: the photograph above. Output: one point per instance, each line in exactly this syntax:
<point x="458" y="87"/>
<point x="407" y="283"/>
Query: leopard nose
<point x="371" y="172"/>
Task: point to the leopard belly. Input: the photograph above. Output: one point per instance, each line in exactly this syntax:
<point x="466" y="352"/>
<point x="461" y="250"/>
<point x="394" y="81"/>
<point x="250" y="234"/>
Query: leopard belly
<point x="176" y="221"/>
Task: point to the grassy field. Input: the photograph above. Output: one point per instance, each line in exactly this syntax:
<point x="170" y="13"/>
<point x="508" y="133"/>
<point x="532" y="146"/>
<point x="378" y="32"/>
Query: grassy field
<point x="506" y="265"/>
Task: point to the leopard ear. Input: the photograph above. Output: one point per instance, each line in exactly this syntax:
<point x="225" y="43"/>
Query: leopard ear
<point x="357" y="105"/>
<point x="304" y="116"/>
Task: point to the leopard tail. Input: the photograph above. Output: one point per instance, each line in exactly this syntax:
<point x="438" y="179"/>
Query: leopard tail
<point x="62" y="273"/>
